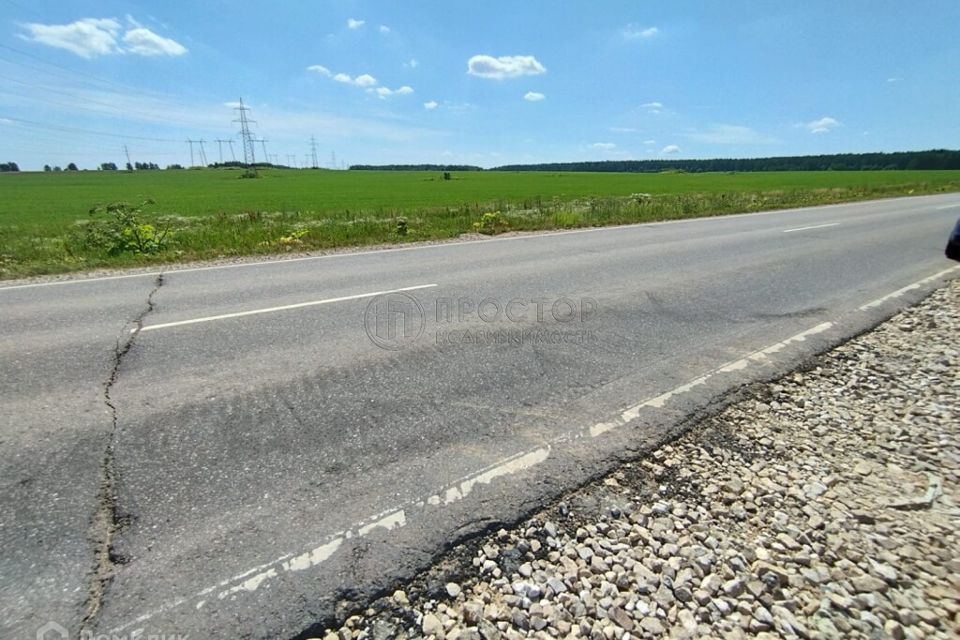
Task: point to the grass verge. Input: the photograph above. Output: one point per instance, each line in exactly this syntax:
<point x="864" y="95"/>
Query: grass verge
<point x="112" y="237"/>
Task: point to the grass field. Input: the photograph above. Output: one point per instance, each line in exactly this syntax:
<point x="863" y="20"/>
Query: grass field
<point x="46" y="225"/>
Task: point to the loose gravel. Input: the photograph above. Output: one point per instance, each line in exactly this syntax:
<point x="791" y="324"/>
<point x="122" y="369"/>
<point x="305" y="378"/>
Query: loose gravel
<point x="824" y="504"/>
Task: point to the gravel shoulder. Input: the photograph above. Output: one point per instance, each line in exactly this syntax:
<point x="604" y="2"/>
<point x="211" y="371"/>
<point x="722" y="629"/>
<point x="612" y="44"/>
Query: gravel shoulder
<point x="823" y="504"/>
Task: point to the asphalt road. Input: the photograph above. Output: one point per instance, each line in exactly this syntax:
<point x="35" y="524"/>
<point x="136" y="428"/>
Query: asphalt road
<point x="277" y="442"/>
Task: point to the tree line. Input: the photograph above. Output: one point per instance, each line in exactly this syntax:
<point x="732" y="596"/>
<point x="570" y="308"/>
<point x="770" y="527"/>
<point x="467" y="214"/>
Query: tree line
<point x="414" y="167"/>
<point x="901" y="160"/>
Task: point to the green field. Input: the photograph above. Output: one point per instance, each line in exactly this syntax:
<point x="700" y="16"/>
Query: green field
<point x="46" y="226"/>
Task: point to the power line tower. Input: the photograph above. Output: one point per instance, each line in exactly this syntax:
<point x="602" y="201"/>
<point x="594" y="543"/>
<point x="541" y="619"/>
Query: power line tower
<point x="191" y="143"/>
<point x="263" y="145"/>
<point x="127" y="153"/>
<point x="203" y="154"/>
<point x="333" y="159"/>
<point x="220" y="147"/>
<point x="292" y="160"/>
<point x="233" y="156"/>
<point x="313" y="151"/>
<point x="249" y="157"/>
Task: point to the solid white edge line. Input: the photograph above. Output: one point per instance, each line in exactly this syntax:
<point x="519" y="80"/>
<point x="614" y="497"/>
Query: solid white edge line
<point x="910" y="287"/>
<point x="299" y="305"/>
<point x="440" y="245"/>
<point x="395" y="518"/>
<point x="816" y="226"/>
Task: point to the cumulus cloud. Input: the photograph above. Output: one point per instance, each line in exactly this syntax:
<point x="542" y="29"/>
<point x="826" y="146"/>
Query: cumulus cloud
<point x="413" y="63"/>
<point x="431" y="105"/>
<point x="364" y="80"/>
<point x="731" y="134"/>
<point x="649" y="142"/>
<point x="353" y="23"/>
<point x="823" y="125"/>
<point x="383" y="92"/>
<point x="144" y="42"/>
<point x="604" y="146"/>
<point x="670" y="149"/>
<point x="384" y="29"/>
<point x="91" y="37"/>
<point x="484" y="66"/>
<point x="533" y="96"/>
<point x="635" y="32"/>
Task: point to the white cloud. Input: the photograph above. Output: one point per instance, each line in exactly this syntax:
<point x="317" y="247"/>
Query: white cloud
<point x="383" y="92"/>
<point x="893" y="79"/>
<point x="731" y="134"/>
<point x="533" y="96"/>
<point x="623" y="130"/>
<point x="653" y="107"/>
<point x="604" y="146"/>
<point x="669" y="149"/>
<point x="823" y="125"/>
<point x="413" y="63"/>
<point x="86" y="38"/>
<point x="431" y="105"/>
<point x="6" y="121"/>
<point x="484" y="66"/>
<point x="364" y="80"/>
<point x="634" y="32"/>
<point x="92" y="37"/>
<point x="649" y="142"/>
<point x="144" y="42"/>
<point x="384" y="29"/>
<point x="319" y="68"/>
<point x="355" y="24"/>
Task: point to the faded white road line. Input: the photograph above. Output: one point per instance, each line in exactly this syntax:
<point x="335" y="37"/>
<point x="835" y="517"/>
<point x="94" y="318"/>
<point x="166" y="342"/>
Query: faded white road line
<point x="395" y="518"/>
<point x="299" y="305"/>
<point x="816" y="226"/>
<point x="909" y="287"/>
<point x="947" y="206"/>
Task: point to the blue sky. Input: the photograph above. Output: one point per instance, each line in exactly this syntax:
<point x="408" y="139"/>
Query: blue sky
<point x="479" y="83"/>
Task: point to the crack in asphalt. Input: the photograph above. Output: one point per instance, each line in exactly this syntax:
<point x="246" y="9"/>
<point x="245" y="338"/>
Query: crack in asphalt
<point x="108" y="519"/>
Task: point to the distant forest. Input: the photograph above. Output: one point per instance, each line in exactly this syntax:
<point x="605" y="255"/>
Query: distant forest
<point x="933" y="159"/>
<point x="414" y="167"/>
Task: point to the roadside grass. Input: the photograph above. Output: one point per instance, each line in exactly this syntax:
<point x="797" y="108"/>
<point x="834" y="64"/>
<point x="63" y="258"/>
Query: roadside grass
<point x="46" y="224"/>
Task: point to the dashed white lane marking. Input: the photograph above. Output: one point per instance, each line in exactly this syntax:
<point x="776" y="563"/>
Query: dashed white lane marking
<point x="816" y="226"/>
<point x="299" y="305"/>
<point x="909" y="287"/>
<point x="393" y="519"/>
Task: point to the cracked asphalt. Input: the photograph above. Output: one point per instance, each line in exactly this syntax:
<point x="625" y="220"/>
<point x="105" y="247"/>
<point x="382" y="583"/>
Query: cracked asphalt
<point x="243" y="444"/>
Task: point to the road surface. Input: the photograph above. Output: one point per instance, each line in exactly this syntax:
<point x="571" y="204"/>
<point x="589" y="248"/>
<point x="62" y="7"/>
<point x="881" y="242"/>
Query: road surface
<point x="249" y="449"/>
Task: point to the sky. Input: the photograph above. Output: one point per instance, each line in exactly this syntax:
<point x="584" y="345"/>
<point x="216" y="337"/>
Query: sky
<point x="487" y="83"/>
